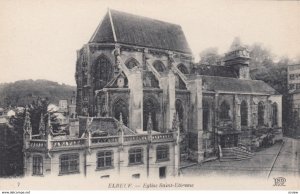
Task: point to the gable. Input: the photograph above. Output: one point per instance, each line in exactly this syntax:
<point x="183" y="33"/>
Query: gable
<point x="140" y="31"/>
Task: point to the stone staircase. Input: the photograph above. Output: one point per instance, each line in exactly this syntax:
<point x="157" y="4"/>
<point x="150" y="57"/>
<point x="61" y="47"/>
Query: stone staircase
<point x="234" y="154"/>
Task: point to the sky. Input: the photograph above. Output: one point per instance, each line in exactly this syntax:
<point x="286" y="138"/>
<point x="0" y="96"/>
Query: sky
<point x="39" y="38"/>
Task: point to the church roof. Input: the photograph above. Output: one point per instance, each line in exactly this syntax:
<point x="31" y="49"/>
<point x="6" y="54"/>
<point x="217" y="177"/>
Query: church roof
<point x="214" y="83"/>
<point x="215" y="70"/>
<point x="120" y="27"/>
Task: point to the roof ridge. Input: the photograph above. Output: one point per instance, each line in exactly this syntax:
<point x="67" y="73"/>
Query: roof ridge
<point x="112" y="25"/>
<point x="145" y="17"/>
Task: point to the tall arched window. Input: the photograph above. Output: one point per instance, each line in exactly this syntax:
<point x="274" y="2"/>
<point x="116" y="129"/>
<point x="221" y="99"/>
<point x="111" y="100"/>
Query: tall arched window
<point x="261" y="114"/>
<point x="159" y="66"/>
<point x="183" y="68"/>
<point x="244" y="113"/>
<point x="150" y="107"/>
<point x="224" y="111"/>
<point x="103" y="72"/>
<point x="274" y="114"/>
<point x="179" y="84"/>
<point x="131" y="63"/>
<point x="120" y="106"/>
<point x="180" y="112"/>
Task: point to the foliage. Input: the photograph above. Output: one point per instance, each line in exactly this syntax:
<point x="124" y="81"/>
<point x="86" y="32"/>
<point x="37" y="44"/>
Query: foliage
<point x="210" y="56"/>
<point x="15" y="145"/>
<point x="24" y="92"/>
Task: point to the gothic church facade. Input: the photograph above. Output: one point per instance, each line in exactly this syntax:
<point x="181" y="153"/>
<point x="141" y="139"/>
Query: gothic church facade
<point x="141" y="69"/>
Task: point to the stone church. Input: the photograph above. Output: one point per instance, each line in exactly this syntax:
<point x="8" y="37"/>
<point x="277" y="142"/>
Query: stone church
<point x="139" y="69"/>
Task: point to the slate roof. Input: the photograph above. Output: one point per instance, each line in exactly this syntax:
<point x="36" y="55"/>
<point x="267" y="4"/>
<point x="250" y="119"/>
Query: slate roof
<point x="236" y="85"/>
<point x="107" y="125"/>
<point x="140" y="31"/>
<point x="215" y="70"/>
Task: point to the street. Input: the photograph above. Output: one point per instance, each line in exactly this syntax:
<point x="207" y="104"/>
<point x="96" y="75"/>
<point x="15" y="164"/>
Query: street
<point x="263" y="163"/>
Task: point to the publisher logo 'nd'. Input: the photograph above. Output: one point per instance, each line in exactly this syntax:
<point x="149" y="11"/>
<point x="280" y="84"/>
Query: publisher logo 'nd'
<point x="279" y="181"/>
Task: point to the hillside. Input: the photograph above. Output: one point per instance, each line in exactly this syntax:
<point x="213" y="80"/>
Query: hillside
<point x="23" y="92"/>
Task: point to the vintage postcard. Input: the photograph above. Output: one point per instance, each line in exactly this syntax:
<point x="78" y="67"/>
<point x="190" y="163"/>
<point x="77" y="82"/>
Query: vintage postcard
<point x="149" y="95"/>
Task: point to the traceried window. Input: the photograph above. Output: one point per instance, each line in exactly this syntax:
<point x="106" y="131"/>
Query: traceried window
<point x="104" y="159"/>
<point x="135" y="156"/>
<point x="162" y="153"/>
<point x="224" y="111"/>
<point x="120" y="106"/>
<point x="180" y="113"/>
<point x="69" y="163"/>
<point x="159" y="66"/>
<point x="103" y="72"/>
<point x="183" y="68"/>
<point x="131" y="63"/>
<point x="37" y="165"/>
<point x="150" y="107"/>
<point x="179" y="84"/>
<point x="244" y="113"/>
<point x="261" y="114"/>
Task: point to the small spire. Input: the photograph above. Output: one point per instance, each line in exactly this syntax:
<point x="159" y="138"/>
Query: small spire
<point x="27" y="123"/>
<point x="121" y="119"/>
<point x="149" y="124"/>
<point x="49" y="126"/>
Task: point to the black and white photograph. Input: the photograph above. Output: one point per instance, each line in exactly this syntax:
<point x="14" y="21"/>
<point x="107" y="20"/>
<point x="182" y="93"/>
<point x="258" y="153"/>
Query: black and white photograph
<point x="149" y="95"/>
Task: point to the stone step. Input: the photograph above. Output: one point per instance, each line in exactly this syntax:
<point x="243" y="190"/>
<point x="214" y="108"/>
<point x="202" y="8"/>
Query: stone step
<point x="234" y="159"/>
<point x="243" y="152"/>
<point x="235" y="153"/>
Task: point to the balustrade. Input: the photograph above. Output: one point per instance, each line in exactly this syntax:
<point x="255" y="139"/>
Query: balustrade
<point x="68" y="143"/>
<point x="38" y="144"/>
<point x="100" y="140"/>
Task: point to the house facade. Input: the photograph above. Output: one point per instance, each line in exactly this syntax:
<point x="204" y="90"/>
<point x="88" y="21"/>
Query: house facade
<point x="294" y="96"/>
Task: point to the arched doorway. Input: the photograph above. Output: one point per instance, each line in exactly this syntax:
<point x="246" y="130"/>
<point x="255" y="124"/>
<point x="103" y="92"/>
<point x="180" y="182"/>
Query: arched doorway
<point x="261" y="114"/>
<point x="102" y="72"/>
<point x="150" y="107"/>
<point x="244" y="113"/>
<point x="180" y="113"/>
<point x="120" y="106"/>
<point x="274" y="114"/>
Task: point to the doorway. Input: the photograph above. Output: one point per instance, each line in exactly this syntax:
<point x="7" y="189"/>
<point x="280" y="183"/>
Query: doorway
<point x="228" y="141"/>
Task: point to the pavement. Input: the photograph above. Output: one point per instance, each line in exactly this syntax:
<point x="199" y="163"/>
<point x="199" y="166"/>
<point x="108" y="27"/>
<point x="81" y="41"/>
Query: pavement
<point x="264" y="163"/>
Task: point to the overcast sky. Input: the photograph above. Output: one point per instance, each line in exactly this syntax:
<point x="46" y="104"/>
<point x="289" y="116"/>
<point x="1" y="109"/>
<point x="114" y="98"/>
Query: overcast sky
<point x="39" y="39"/>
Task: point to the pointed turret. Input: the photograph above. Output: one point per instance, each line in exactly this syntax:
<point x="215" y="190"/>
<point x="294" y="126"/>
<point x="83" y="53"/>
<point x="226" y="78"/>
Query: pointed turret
<point x="149" y="124"/>
<point x="27" y="128"/>
<point x="49" y="129"/>
<point x="121" y="119"/>
<point x="42" y="127"/>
